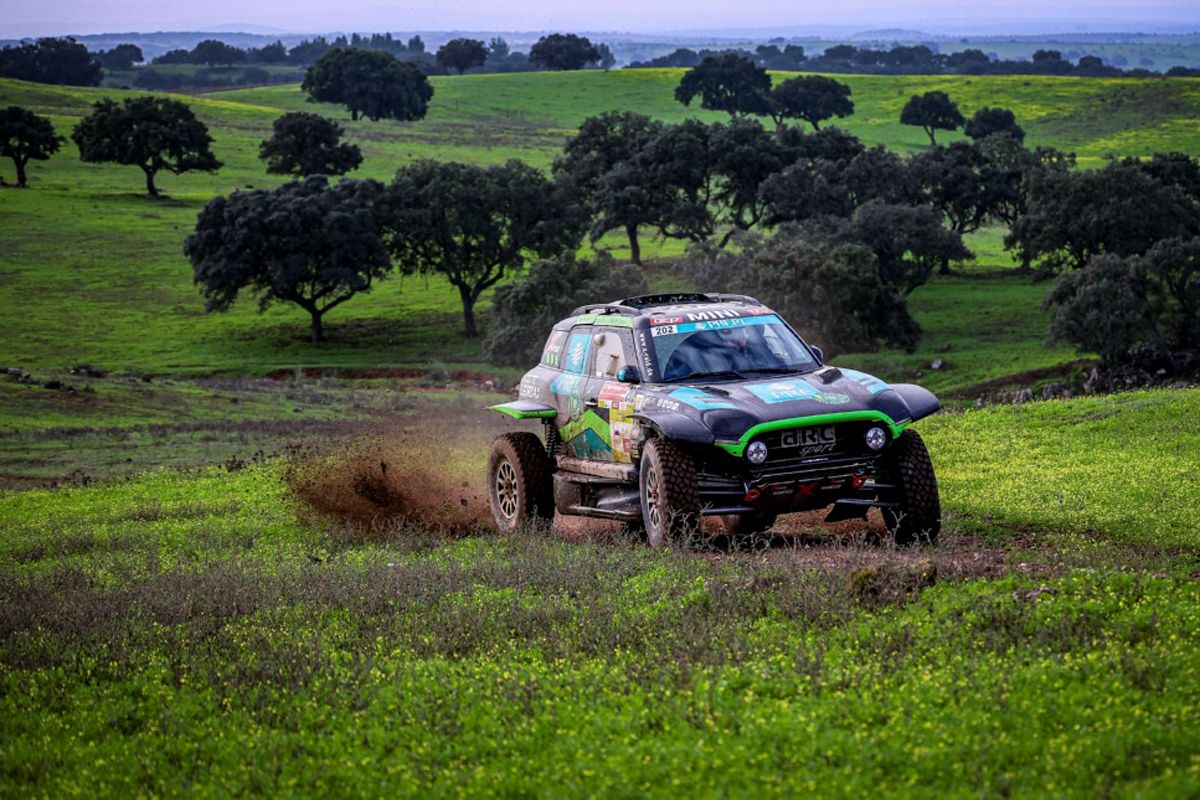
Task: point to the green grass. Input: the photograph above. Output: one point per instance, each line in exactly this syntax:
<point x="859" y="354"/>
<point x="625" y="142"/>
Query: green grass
<point x="188" y="633"/>
<point x="87" y="255"/>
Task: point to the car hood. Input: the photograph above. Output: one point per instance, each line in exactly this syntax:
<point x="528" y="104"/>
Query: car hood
<point x="726" y="409"/>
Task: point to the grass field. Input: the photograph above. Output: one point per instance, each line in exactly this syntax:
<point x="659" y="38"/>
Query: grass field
<point x="189" y="633"/>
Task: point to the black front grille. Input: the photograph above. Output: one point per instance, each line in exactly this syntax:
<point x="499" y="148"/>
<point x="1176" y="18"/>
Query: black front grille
<point x="811" y="443"/>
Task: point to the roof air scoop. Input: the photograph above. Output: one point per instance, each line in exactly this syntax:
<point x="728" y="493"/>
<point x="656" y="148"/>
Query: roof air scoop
<point x="829" y="374"/>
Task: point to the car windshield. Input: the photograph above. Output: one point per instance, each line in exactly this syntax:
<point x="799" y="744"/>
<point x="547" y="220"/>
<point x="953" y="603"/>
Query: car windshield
<point x="728" y="348"/>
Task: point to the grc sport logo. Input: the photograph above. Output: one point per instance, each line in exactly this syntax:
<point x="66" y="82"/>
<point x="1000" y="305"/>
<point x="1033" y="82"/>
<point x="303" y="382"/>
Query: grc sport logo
<point x="811" y="441"/>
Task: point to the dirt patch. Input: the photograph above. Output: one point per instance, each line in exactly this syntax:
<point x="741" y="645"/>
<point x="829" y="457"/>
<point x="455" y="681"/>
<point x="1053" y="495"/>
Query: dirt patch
<point x="428" y="471"/>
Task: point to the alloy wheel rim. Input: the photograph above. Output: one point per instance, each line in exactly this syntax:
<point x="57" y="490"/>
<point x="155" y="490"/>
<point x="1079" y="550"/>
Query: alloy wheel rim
<point x="652" y="499"/>
<point x="506" y="490"/>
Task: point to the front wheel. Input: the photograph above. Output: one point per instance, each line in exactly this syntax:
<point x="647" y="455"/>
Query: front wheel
<point x="670" y="498"/>
<point x="520" y="488"/>
<point x="918" y="515"/>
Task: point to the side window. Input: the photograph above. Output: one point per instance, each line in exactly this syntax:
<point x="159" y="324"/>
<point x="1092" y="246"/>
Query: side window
<point x="611" y="352"/>
<point x="552" y="354"/>
<point x="579" y="346"/>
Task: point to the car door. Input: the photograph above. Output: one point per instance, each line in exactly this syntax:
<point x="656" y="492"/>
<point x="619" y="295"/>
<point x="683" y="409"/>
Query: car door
<point x="611" y="400"/>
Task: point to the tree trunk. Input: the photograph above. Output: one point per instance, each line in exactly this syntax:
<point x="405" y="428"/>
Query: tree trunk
<point x="635" y="249"/>
<point x="318" y="330"/>
<point x="150" y="187"/>
<point x="354" y="115"/>
<point x="945" y="268"/>
<point x="468" y="303"/>
<point x="20" y="162"/>
<point x="932" y="140"/>
<point x="816" y="125"/>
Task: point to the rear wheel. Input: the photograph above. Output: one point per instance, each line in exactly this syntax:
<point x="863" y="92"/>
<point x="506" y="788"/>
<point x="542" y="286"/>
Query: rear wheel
<point x="520" y="489"/>
<point x="670" y="498"/>
<point x="918" y="517"/>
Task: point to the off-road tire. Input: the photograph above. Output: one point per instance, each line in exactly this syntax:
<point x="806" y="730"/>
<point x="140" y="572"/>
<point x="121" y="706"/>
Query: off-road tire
<point x="919" y="515"/>
<point x="520" y="487"/>
<point x="748" y="524"/>
<point x="670" y="497"/>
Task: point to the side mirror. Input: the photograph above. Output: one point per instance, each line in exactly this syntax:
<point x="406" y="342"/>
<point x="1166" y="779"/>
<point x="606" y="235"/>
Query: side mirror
<point x="629" y="374"/>
<point x="818" y="352"/>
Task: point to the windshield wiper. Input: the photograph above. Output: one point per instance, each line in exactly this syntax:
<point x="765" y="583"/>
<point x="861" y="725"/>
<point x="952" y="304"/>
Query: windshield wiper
<point x="722" y="373"/>
<point x="776" y="370"/>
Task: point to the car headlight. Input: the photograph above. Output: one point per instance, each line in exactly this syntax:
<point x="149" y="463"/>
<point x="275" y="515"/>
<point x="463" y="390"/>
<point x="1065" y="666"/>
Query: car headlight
<point x="756" y="452"/>
<point x="876" y="438"/>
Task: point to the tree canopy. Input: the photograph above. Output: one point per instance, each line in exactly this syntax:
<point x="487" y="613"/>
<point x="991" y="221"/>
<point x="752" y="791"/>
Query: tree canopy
<point x="525" y="309"/>
<point x="153" y="133"/>
<point x="373" y="83"/>
<point x="563" y="51"/>
<point x="989" y="121"/>
<point x="123" y="56"/>
<point x="462" y="54"/>
<point x="308" y="144"/>
<point x="728" y="83"/>
<point x="25" y="136"/>
<point x="598" y="167"/>
<point x="306" y="243"/>
<point x="51" y="60"/>
<point x="933" y="111"/>
<point x="213" y="52"/>
<point x="475" y="225"/>
<point x="812" y="98"/>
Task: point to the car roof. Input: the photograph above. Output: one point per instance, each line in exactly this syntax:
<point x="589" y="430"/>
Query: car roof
<point x="650" y="307"/>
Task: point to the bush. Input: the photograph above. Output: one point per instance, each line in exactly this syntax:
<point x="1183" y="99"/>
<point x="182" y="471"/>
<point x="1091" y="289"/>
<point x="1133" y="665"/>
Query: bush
<point x="833" y="295"/>
<point x="1116" y="304"/>
<point x="526" y="310"/>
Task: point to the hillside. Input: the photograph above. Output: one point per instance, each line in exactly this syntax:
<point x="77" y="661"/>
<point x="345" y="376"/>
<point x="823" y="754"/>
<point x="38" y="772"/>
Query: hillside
<point x="85" y="253"/>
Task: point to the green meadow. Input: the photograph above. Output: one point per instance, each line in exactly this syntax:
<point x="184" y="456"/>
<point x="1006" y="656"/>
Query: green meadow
<point x="180" y="619"/>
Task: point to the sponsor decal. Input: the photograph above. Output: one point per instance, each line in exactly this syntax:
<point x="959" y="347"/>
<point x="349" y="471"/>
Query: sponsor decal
<point x="720" y="313"/>
<point x="665" y="320"/>
<point x="531" y="387"/>
<point x="553" y="348"/>
<point x="831" y="398"/>
<point x="868" y="382"/>
<point x="782" y="391"/>
<point x="644" y="349"/>
<point x="656" y="401"/>
<point x="809" y="441"/>
<point x="577" y="352"/>
<point x="712" y="324"/>
<point x="699" y="399"/>
<point x="613" y="394"/>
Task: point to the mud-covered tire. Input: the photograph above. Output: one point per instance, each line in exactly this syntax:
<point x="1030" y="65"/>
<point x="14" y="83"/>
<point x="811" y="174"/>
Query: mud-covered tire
<point x="520" y="487"/>
<point x="670" y="496"/>
<point x="919" y="515"/>
<point x="747" y="524"/>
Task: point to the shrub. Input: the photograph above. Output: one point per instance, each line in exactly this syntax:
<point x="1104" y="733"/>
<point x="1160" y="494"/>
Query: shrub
<point x="525" y="310"/>
<point x="833" y="294"/>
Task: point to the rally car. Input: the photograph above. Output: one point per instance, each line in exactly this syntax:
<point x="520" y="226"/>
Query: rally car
<point x="659" y="409"/>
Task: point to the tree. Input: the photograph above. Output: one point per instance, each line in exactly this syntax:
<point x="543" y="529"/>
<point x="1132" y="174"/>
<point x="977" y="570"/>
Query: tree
<point x="563" y="51"/>
<point x="955" y="181"/>
<point x="475" y="225"/>
<point x="744" y="156"/>
<point x="153" y="133"/>
<point x="308" y="144"/>
<point x="523" y="310"/>
<point x="369" y="82"/>
<point x="821" y="187"/>
<point x="1120" y="209"/>
<point x="598" y="166"/>
<point x="1115" y="304"/>
<point x="123" y="56"/>
<point x="274" y="53"/>
<point x="991" y="121"/>
<point x="932" y="111"/>
<point x="606" y="59"/>
<point x="908" y="241"/>
<point x="497" y="48"/>
<point x="50" y="60"/>
<point x="213" y="52"/>
<point x="728" y="83"/>
<point x="812" y="98"/>
<point x="834" y="293"/>
<point x="305" y="243"/>
<point x="462" y="54"/>
<point x="25" y="136"/>
<point x="679" y="164"/>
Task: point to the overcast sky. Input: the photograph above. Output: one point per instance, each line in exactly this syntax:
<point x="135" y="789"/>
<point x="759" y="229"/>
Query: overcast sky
<point x="45" y="17"/>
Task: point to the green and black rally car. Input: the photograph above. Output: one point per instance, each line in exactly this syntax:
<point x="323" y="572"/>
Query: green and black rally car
<point x="662" y="408"/>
